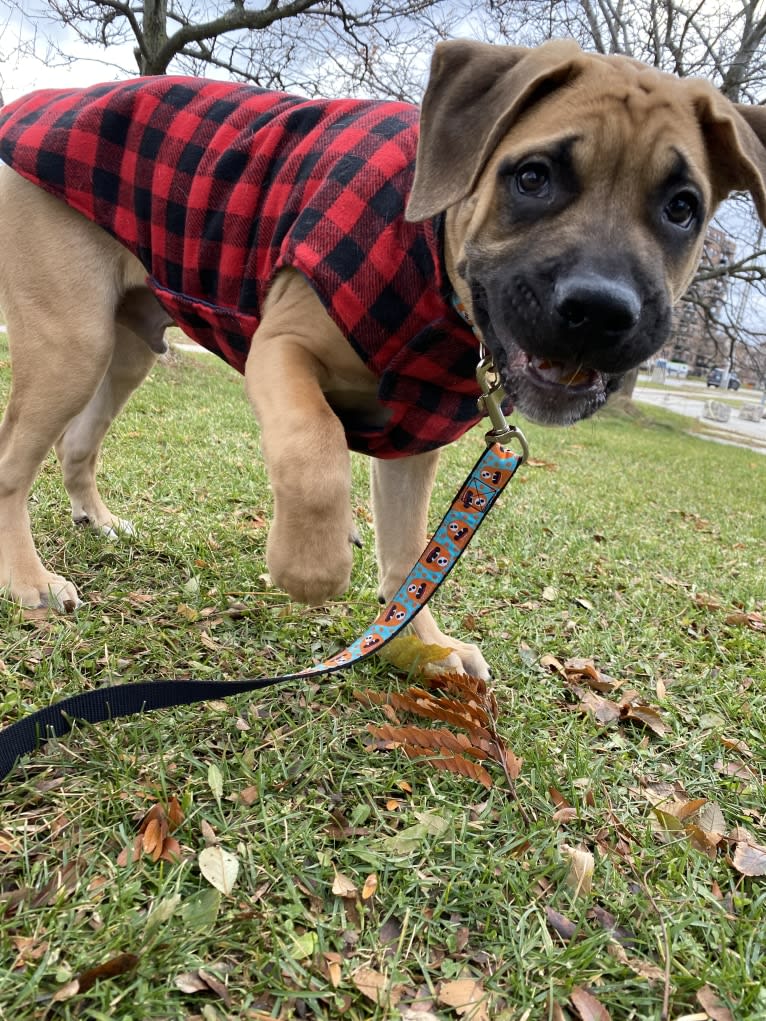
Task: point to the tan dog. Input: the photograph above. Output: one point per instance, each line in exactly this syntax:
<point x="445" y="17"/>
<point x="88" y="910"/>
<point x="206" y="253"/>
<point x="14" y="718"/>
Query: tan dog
<point x="577" y="190"/>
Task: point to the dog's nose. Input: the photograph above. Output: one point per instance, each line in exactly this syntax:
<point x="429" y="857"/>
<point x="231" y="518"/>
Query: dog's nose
<point x="605" y="305"/>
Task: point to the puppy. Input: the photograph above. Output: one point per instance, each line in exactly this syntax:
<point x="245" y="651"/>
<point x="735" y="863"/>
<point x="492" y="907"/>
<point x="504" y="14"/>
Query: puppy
<point x="321" y="247"/>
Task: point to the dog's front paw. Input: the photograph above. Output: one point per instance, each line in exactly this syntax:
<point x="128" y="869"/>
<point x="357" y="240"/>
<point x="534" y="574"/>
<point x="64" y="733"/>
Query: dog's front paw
<point x="312" y="566"/>
<point x="465" y="658"/>
<point x="49" y="590"/>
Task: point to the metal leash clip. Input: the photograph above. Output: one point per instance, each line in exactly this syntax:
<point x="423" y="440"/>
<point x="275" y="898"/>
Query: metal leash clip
<point x="491" y="403"/>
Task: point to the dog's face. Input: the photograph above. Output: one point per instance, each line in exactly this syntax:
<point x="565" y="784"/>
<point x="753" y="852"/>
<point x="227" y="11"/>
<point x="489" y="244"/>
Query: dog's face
<point x="581" y="220"/>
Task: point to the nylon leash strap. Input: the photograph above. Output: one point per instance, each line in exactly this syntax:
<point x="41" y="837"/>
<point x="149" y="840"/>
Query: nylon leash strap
<point x="487" y="479"/>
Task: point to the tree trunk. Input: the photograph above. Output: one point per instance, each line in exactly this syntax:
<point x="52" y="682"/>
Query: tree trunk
<point x="629" y="384"/>
<point x="153" y="39"/>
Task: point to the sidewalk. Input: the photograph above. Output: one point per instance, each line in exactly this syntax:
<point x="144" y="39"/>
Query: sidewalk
<point x="738" y="432"/>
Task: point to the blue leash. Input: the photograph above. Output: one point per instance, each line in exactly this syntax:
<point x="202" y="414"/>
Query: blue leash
<point x="487" y="479"/>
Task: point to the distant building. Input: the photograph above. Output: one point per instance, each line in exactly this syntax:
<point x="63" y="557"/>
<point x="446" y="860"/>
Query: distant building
<point x="695" y="339"/>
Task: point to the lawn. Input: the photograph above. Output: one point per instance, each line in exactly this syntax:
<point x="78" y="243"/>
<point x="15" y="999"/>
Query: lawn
<point x="611" y="875"/>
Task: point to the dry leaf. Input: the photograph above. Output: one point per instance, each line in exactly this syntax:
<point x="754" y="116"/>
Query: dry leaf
<point x="208" y="833"/>
<point x="119" y="965"/>
<point x="513" y="764"/>
<point x="560" y="924"/>
<point x="714" y="1008"/>
<point x="342" y="886"/>
<point x="587" y="1006"/>
<point x="647" y="715"/>
<point x="737" y="746"/>
<point x="466" y="996"/>
<point x="333" y="961"/>
<point x="370" y="886"/>
<point x="454" y="764"/>
<point x="755" y="621"/>
<point x="153" y="838"/>
<point x="190" y="982"/>
<point x="645" y="969"/>
<point x="550" y="662"/>
<point x="375" y="986"/>
<point x="202" y="981"/>
<point x="410" y="655"/>
<point x="584" y="671"/>
<point x="711" y="821"/>
<point x="66" y="992"/>
<point x="219" y="867"/>
<point x="750" y="858"/>
<point x="579" y="878"/>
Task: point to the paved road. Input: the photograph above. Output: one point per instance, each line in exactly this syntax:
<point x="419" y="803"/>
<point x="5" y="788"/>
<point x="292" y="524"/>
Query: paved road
<point x="689" y="399"/>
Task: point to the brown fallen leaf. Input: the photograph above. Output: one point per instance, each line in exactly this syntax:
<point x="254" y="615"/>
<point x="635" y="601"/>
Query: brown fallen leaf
<point x="709" y="1000"/>
<point x="119" y="965"/>
<point x="646" y="715"/>
<point x="563" y="926"/>
<point x="376" y="987"/>
<point x="750" y="858"/>
<point x="465" y="996"/>
<point x="587" y="1006"/>
<point x="153" y="836"/>
<point x="735" y="769"/>
<point x="584" y="671"/>
<point x="343" y="886"/>
<point x="646" y="969"/>
<point x="202" y="981"/>
<point x="754" y="621"/>
<point x="737" y="746"/>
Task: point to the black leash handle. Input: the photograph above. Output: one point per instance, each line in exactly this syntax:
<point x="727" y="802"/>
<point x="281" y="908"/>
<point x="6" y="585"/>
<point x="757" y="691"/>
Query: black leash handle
<point x="487" y="479"/>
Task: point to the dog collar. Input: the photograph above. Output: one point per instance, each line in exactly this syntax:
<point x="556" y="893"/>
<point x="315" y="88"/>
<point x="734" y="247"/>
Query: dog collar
<point x="493" y="395"/>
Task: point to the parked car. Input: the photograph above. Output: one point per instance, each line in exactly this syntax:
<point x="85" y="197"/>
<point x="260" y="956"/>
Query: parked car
<point x="715" y="378"/>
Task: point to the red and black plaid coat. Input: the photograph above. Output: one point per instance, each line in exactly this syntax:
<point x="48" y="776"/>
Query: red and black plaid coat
<point x="216" y="186"/>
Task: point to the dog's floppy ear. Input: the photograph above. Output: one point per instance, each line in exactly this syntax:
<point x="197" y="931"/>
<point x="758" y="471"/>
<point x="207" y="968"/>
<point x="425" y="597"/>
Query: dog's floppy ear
<point x="475" y="91"/>
<point x="736" y="139"/>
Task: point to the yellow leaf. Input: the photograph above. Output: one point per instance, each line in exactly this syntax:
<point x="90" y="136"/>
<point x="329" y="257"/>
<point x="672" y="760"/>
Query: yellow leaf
<point x="370" y="886"/>
<point x="408" y="654"/>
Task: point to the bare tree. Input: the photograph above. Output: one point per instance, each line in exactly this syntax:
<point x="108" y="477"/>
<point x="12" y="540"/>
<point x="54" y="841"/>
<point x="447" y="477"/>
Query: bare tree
<point x="313" y="46"/>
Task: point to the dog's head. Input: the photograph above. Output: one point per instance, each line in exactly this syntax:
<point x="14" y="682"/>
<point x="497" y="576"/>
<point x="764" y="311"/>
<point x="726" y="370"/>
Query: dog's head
<point x="578" y="189"/>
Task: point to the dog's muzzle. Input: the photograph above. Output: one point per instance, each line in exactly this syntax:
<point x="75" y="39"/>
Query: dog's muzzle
<point x="563" y="340"/>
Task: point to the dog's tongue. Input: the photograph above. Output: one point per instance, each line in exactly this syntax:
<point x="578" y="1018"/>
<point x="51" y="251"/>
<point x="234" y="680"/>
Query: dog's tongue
<point x="563" y="373"/>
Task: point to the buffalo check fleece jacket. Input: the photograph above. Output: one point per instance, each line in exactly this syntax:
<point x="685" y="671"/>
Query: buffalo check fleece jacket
<point x="216" y="186"/>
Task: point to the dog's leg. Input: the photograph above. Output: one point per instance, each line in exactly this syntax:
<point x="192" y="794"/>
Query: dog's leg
<point x="38" y="411"/>
<point x="304" y="446"/>
<point x="78" y="448"/>
<point x="401" y="491"/>
<point x="61" y="278"/>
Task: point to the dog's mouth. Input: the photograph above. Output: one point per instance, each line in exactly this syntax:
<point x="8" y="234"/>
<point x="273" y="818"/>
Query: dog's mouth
<point x="550" y="391"/>
<point x="547" y="372"/>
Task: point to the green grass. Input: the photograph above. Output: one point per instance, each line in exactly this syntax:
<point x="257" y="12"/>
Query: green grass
<point x="635" y="519"/>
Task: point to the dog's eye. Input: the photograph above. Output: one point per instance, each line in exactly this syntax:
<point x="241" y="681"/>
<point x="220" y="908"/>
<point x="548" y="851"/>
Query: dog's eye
<point x="682" y="209"/>
<point x="533" y="178"/>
